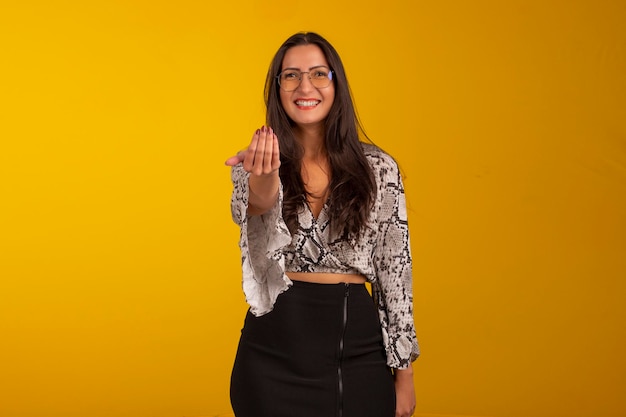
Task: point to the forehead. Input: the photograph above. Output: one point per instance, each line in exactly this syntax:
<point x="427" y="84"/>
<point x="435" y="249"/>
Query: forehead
<point x="304" y="57"/>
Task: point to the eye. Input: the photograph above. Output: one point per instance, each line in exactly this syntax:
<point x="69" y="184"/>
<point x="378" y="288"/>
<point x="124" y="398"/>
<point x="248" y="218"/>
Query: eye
<point x="290" y="75"/>
<point x="320" y="73"/>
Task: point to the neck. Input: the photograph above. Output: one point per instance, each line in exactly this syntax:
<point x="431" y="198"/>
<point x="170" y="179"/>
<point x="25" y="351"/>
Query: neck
<point x="312" y="140"/>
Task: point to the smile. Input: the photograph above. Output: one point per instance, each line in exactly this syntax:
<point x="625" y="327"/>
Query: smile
<point x="307" y="103"/>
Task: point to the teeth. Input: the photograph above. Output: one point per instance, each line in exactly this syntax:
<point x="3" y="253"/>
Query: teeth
<point x="307" y="103"/>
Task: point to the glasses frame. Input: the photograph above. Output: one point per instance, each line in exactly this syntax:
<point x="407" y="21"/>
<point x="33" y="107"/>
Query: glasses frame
<point x="308" y="73"/>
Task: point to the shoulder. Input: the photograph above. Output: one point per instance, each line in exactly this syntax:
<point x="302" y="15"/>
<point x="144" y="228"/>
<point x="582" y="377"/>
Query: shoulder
<point x="379" y="160"/>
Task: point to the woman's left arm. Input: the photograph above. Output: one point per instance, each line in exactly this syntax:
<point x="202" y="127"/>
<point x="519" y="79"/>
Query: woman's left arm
<point x="405" y="392"/>
<point x="393" y="290"/>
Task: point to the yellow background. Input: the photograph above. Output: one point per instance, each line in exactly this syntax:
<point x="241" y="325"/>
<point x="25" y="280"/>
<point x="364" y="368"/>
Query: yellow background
<point x="120" y="283"/>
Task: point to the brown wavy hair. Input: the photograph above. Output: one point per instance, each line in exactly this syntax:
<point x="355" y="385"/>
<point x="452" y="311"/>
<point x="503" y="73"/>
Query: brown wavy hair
<point x="352" y="184"/>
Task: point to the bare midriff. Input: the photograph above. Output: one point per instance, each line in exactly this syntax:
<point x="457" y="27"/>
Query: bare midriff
<point x="326" y="277"/>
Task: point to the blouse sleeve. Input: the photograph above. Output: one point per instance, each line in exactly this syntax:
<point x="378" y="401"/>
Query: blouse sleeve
<point x="393" y="289"/>
<point x="261" y="240"/>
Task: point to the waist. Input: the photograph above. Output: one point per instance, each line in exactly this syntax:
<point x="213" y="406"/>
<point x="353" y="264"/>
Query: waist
<point x="326" y="277"/>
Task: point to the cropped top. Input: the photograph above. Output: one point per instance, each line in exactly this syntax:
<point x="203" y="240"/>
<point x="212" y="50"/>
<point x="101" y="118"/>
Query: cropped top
<point x="382" y="254"/>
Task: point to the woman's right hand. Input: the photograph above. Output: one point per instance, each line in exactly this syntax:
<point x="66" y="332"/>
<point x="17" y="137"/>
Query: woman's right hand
<point x="262" y="156"/>
<point x="262" y="160"/>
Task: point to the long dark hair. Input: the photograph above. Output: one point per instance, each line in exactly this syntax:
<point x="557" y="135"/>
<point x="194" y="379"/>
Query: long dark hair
<point x="352" y="184"/>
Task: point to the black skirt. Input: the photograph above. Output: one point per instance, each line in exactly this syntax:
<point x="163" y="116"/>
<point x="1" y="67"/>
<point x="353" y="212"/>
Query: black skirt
<point x="319" y="353"/>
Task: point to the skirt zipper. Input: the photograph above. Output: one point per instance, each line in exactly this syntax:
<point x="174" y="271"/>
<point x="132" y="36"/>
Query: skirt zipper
<point x="343" y="332"/>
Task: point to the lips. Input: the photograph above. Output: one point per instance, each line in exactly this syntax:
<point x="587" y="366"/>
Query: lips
<point x="307" y="103"/>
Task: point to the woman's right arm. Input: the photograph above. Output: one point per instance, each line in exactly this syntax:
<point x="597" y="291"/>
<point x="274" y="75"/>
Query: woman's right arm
<point x="256" y="207"/>
<point x="262" y="160"/>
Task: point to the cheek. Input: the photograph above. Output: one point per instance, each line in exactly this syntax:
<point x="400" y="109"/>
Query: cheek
<point x="330" y="95"/>
<point x="284" y="99"/>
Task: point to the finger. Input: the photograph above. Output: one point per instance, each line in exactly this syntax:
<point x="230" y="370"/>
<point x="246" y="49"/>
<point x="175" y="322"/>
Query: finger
<point x="269" y="152"/>
<point x="259" y="154"/>
<point x="234" y="160"/>
<point x="248" y="161"/>
<point x="275" y="152"/>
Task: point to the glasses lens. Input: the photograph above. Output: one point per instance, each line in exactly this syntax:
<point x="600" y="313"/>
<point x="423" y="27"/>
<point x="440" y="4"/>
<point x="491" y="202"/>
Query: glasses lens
<point x="289" y="80"/>
<point x="321" y="77"/>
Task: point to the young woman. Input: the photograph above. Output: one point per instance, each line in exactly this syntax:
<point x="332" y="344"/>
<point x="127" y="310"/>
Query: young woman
<point x="321" y="213"/>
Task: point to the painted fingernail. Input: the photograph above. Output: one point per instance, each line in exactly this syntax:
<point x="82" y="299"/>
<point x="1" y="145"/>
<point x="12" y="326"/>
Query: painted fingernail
<point x="263" y="129"/>
<point x="258" y="131"/>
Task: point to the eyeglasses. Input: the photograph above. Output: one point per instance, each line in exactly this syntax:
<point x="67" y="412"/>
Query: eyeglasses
<point x="290" y="79"/>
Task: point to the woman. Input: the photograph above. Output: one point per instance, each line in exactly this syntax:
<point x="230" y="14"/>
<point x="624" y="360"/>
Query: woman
<point x="321" y="213"/>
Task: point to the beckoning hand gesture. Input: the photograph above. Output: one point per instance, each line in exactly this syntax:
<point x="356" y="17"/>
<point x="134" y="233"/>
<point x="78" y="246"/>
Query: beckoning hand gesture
<point x="262" y="156"/>
<point x="262" y="160"/>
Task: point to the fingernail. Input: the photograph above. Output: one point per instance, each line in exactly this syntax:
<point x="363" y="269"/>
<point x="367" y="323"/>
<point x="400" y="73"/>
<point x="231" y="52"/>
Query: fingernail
<point x="258" y="131"/>
<point x="263" y="129"/>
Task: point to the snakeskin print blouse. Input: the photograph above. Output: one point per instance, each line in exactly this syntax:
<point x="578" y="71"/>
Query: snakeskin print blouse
<point x="382" y="255"/>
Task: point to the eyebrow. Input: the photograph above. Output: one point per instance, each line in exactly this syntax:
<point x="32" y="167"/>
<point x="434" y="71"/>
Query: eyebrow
<point x="310" y="68"/>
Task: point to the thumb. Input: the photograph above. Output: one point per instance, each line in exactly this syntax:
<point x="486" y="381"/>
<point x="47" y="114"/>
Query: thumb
<point x="234" y="160"/>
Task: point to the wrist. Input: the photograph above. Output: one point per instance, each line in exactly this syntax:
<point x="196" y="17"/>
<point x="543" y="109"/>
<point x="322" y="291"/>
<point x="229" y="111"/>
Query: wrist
<point x="404" y="373"/>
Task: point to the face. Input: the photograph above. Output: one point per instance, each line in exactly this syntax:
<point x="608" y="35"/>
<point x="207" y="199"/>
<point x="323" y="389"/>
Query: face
<point x="307" y="105"/>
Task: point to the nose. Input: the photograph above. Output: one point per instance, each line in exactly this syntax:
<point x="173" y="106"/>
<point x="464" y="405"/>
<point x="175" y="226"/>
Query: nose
<point x="305" y="83"/>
